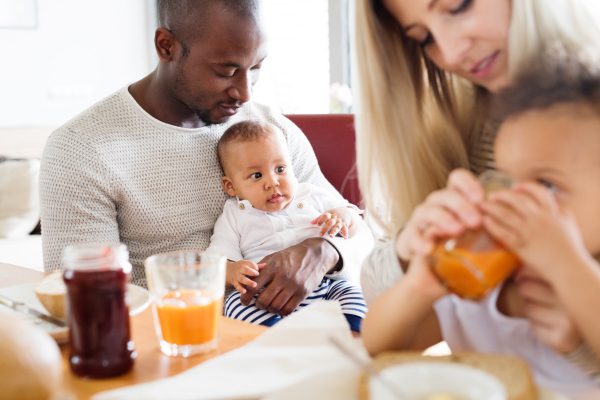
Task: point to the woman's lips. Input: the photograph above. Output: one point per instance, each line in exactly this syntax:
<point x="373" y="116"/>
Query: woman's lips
<point x="276" y="198"/>
<point x="485" y="66"/>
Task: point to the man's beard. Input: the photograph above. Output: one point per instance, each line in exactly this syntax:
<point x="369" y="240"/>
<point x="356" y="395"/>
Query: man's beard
<point x="204" y="116"/>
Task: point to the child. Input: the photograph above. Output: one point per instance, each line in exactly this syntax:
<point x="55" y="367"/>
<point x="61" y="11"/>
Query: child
<point x="549" y="143"/>
<point x="270" y="211"/>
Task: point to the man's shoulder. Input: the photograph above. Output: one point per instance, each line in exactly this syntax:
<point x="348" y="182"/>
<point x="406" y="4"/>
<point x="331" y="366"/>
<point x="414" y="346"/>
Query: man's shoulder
<point x="97" y="120"/>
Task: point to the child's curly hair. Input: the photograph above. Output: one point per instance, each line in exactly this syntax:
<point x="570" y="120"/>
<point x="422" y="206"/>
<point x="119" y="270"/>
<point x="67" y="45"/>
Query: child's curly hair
<point x="558" y="77"/>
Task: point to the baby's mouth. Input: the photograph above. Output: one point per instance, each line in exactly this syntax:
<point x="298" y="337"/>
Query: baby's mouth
<point x="276" y="198"/>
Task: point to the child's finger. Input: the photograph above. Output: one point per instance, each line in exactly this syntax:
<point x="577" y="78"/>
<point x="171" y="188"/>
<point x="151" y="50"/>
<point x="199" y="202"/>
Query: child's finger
<point x="261" y="266"/>
<point x="336" y="228"/>
<point x="249" y="271"/>
<point x="247" y="281"/>
<point x="512" y="200"/>
<point x="543" y="196"/>
<point x="501" y="232"/>
<point x="239" y="287"/>
<point x="321" y="219"/>
<point x="503" y="213"/>
<point x="345" y="231"/>
<point x="327" y="226"/>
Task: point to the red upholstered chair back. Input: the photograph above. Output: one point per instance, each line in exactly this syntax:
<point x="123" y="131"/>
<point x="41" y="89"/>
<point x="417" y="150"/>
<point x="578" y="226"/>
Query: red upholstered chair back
<point x="333" y="140"/>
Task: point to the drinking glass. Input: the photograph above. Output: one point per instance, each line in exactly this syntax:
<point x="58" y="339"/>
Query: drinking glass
<point x="473" y="264"/>
<point x="188" y="288"/>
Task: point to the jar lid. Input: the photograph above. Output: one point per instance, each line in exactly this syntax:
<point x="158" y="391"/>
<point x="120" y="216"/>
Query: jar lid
<point x="97" y="256"/>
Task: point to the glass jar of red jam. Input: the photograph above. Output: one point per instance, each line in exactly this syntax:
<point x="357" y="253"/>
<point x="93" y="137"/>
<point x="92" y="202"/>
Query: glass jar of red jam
<point x="96" y="277"/>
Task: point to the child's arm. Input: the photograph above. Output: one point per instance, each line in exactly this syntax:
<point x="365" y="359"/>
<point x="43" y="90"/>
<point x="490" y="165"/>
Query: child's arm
<point x="530" y="222"/>
<point x="341" y="219"/>
<point x="403" y="318"/>
<point x="238" y="274"/>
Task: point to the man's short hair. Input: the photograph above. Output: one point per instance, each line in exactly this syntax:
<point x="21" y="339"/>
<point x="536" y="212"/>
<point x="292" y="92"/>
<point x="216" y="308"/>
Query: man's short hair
<point x="186" y="19"/>
<point x="558" y="77"/>
<point x="244" y="131"/>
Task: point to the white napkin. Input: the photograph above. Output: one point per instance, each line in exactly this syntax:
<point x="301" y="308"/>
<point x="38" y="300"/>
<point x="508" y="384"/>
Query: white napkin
<point x="293" y="351"/>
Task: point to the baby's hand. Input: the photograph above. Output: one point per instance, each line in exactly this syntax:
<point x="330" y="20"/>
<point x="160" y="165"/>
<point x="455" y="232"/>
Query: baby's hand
<point x="334" y="221"/>
<point x="238" y="274"/>
<point x="529" y="221"/>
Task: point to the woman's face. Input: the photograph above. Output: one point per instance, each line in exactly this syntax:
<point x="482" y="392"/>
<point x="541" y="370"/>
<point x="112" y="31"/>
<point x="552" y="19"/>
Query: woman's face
<point x="468" y="38"/>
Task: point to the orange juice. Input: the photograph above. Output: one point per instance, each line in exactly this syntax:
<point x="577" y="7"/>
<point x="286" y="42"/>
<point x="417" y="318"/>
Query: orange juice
<point x="472" y="275"/>
<point x="186" y="317"/>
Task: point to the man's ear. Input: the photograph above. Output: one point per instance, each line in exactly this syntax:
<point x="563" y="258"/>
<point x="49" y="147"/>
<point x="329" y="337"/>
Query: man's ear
<point x="228" y="186"/>
<point x="165" y="44"/>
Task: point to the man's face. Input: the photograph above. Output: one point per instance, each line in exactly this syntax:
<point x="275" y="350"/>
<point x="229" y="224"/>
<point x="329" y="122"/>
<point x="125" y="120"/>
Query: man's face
<point x="216" y="77"/>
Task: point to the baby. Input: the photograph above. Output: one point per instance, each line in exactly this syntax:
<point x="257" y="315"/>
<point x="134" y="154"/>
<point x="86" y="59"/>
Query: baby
<point x="549" y="143"/>
<point x="271" y="211"/>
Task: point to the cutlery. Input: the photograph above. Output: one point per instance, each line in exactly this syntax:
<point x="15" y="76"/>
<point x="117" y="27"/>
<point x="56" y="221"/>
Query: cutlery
<point x="21" y="307"/>
<point x="367" y="367"/>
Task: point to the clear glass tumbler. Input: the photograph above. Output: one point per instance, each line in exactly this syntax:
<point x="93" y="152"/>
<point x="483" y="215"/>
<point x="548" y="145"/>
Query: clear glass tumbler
<point x="187" y="288"/>
<point x="472" y="264"/>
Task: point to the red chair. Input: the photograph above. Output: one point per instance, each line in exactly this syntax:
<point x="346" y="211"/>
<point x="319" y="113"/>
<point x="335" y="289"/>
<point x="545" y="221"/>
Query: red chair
<point x="333" y="140"/>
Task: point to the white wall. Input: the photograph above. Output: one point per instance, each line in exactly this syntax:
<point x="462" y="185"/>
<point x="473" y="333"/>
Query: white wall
<point x="81" y="51"/>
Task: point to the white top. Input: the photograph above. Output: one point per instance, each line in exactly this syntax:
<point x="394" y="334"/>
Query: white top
<point x="479" y="326"/>
<point x="244" y="233"/>
<point x="116" y="174"/>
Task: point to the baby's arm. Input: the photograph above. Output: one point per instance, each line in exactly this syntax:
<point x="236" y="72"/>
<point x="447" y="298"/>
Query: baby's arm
<point x="238" y="274"/>
<point x="529" y="221"/>
<point x="341" y="219"/>
<point x="403" y="318"/>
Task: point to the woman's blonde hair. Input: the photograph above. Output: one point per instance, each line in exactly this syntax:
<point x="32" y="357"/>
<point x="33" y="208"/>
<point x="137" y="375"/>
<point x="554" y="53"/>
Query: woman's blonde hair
<point x="415" y="123"/>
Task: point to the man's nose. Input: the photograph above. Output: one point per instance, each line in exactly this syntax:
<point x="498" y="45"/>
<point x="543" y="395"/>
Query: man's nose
<point x="242" y="88"/>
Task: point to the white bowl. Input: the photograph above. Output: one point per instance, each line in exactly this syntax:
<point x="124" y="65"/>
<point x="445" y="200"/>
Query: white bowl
<point x="422" y="380"/>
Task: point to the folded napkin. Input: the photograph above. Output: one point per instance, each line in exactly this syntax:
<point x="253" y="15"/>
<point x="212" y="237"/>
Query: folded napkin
<point x="293" y="351"/>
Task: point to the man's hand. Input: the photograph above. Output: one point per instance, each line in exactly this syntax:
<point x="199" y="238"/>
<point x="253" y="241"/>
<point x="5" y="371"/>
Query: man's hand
<point x="292" y="274"/>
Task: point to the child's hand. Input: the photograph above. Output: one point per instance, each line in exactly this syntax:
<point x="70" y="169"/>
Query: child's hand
<point x="529" y="221"/>
<point x="549" y="321"/>
<point x="238" y="274"/>
<point x="337" y="220"/>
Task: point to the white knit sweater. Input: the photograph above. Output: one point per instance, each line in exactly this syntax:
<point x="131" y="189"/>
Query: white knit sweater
<point x="116" y="174"/>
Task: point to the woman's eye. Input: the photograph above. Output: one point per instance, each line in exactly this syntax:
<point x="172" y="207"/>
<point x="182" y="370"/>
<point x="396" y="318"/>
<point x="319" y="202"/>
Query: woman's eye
<point x="256" y="175"/>
<point x="462" y="7"/>
<point x="280" y="169"/>
<point x="428" y="40"/>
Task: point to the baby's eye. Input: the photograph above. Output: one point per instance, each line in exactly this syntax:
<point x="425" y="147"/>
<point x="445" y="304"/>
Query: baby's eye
<point x="256" y="175"/>
<point x="280" y="169"/>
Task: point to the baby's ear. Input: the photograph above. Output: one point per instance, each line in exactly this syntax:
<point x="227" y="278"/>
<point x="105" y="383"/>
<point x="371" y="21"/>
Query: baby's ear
<point x="228" y="186"/>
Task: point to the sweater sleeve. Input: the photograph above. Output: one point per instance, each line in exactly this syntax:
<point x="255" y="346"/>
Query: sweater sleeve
<point x="306" y="168"/>
<point x="380" y="271"/>
<point x="77" y="201"/>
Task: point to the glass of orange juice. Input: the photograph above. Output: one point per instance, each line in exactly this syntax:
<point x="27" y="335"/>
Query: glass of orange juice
<point x="187" y="288"/>
<point x="474" y="263"/>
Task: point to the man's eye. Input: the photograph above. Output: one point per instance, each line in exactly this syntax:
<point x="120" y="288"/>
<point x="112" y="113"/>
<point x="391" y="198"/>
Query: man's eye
<point x="256" y="175"/>
<point x="280" y="169"/>
<point x="226" y="74"/>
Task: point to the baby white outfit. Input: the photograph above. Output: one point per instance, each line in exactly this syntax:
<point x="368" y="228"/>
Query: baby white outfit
<point x="244" y="233"/>
<point x="479" y="326"/>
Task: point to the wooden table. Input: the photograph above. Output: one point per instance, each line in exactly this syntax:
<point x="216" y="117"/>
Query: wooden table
<point x="150" y="363"/>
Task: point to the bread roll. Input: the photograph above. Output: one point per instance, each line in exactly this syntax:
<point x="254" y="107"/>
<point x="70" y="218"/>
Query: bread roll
<point x="51" y="292"/>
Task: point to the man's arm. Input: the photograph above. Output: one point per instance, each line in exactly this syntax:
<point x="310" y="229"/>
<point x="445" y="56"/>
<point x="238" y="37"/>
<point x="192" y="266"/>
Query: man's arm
<point x="75" y="196"/>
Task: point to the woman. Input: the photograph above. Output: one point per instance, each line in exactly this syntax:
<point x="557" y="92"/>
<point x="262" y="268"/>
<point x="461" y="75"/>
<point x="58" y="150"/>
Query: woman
<point x="427" y="70"/>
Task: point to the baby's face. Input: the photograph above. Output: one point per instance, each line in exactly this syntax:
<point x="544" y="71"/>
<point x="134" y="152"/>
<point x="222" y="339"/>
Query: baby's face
<point x="560" y="148"/>
<point x="261" y="172"/>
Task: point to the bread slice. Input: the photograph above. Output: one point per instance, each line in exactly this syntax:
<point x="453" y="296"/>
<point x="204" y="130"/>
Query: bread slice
<point x="51" y="292"/>
<point x="512" y="371"/>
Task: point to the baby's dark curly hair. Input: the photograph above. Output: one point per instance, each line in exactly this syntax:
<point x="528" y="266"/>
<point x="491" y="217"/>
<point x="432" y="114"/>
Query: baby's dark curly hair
<point x="559" y="77"/>
<point x="244" y="131"/>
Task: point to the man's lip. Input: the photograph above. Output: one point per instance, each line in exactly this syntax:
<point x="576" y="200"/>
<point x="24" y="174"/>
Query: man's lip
<point x="229" y="110"/>
<point x="276" y="198"/>
<point x="484" y="67"/>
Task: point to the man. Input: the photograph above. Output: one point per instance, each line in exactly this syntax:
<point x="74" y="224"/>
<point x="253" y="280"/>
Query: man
<point x="140" y="167"/>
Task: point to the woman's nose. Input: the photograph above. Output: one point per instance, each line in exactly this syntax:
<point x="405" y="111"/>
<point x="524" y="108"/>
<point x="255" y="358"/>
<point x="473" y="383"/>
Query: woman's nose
<point x="453" y="47"/>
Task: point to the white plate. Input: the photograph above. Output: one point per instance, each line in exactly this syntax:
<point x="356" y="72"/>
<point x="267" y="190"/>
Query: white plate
<point x="421" y="380"/>
<point x="139" y="300"/>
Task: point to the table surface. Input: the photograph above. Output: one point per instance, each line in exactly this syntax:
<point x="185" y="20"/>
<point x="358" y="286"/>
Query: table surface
<point x="150" y="363"/>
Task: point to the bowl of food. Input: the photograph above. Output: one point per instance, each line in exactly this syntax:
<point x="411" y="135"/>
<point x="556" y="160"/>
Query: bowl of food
<point x="437" y="381"/>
